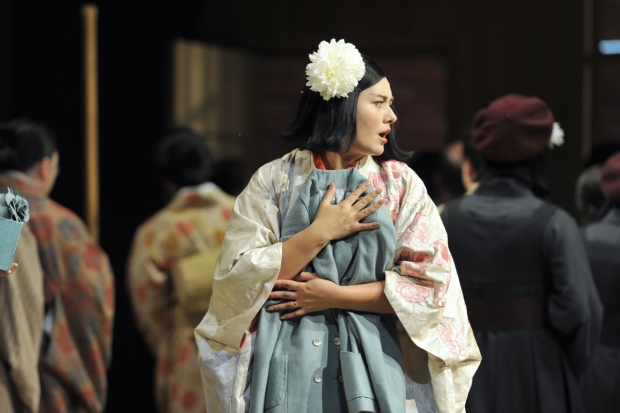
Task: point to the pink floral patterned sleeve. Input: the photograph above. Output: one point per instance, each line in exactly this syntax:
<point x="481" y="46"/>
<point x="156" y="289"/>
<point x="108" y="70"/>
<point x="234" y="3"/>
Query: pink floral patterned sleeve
<point x="423" y="287"/>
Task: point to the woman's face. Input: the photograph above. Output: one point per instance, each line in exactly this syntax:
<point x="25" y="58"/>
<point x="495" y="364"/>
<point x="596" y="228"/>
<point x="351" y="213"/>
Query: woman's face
<point x="374" y="119"/>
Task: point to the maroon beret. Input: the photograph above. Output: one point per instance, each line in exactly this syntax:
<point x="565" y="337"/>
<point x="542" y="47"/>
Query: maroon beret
<point x="513" y="128"/>
<point x="610" y="179"/>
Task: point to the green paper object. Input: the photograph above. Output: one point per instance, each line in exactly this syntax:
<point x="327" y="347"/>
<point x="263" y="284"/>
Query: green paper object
<point x="9" y="235"/>
<point x="13" y="213"/>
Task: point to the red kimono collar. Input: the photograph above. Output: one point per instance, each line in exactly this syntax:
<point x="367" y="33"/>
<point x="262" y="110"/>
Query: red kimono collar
<point x="318" y="162"/>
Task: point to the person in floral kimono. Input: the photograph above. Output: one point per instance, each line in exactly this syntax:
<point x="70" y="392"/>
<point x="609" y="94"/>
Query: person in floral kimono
<point x="345" y="120"/>
<point x="193" y="222"/>
<point x="78" y="280"/>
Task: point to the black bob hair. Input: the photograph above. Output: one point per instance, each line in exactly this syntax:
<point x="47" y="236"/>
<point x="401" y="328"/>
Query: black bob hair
<point x="24" y="143"/>
<point x="328" y="125"/>
<point x="182" y="157"/>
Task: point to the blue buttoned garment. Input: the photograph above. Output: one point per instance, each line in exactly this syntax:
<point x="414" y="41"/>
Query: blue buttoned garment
<point x="334" y="360"/>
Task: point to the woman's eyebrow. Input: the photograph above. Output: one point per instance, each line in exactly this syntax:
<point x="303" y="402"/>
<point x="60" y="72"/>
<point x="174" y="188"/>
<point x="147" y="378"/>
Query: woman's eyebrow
<point x="381" y="96"/>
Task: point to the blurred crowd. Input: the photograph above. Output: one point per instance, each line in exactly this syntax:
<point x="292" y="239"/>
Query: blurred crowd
<point x="552" y="317"/>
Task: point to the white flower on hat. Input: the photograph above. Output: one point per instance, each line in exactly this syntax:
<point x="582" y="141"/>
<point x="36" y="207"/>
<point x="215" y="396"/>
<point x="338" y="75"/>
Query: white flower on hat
<point x="336" y="69"/>
<point x="557" y="136"/>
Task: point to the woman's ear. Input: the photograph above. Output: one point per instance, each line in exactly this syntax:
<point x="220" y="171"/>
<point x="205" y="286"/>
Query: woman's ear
<point x="44" y="168"/>
<point x="47" y="172"/>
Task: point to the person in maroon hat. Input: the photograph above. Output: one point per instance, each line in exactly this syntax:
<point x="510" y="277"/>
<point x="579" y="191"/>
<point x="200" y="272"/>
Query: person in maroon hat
<point x="602" y="240"/>
<point x="524" y="271"/>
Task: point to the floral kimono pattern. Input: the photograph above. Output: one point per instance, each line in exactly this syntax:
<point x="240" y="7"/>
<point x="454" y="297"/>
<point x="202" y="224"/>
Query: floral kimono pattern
<point x="422" y="287"/>
<point x="79" y="304"/>
<point x="194" y="220"/>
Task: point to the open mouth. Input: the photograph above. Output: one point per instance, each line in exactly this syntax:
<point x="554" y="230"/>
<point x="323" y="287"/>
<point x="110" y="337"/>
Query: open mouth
<point x="384" y="135"/>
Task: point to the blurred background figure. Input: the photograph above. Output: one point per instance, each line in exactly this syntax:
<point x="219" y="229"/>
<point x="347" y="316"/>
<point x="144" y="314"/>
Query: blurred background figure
<point x="230" y="175"/>
<point x="461" y="153"/>
<point x="451" y="167"/>
<point x="601" y="383"/>
<point x="78" y="281"/>
<point x="21" y="318"/>
<point x="441" y="172"/>
<point x="427" y="166"/>
<point x="470" y="167"/>
<point x="171" y="265"/>
<point x="589" y="197"/>
<point x="524" y="271"/>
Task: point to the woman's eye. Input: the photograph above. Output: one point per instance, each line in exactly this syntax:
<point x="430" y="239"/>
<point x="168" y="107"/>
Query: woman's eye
<point x="379" y="104"/>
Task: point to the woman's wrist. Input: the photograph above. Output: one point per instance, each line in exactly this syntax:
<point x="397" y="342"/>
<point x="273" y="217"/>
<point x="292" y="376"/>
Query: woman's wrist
<point x="337" y="297"/>
<point x="362" y="297"/>
<point x="319" y="237"/>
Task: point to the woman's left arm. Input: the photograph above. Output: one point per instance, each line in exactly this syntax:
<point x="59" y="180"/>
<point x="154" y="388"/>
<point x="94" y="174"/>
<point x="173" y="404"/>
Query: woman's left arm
<point x="311" y="293"/>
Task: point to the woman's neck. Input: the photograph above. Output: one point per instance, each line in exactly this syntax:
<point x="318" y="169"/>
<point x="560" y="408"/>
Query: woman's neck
<point x="334" y="160"/>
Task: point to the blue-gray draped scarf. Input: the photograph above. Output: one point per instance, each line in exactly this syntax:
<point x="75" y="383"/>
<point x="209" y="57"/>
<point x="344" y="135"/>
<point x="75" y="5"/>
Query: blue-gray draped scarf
<point x="334" y="360"/>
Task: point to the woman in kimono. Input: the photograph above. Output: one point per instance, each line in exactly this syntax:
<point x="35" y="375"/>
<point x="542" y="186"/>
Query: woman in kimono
<point x="524" y="271"/>
<point x="193" y="222"/>
<point x="78" y="284"/>
<point x="286" y="234"/>
<point x="602" y="240"/>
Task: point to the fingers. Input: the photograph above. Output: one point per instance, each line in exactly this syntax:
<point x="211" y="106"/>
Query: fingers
<point x="288" y="305"/>
<point x="362" y="203"/>
<point x="11" y="269"/>
<point x="363" y="213"/>
<point x="329" y="194"/>
<point x="306" y="276"/>
<point x="288" y="284"/>
<point x="286" y="295"/>
<point x="354" y="196"/>
<point x="368" y="226"/>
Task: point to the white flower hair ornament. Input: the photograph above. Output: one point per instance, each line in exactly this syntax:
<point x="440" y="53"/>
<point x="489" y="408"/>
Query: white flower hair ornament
<point x="335" y="69"/>
<point x="557" y="136"/>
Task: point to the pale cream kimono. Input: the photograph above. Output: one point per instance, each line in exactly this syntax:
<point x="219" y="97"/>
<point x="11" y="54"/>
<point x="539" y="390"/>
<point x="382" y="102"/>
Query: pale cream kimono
<point x="423" y="287"/>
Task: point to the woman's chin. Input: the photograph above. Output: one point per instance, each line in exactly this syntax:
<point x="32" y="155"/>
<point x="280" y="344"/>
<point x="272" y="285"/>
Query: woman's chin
<point x="379" y="151"/>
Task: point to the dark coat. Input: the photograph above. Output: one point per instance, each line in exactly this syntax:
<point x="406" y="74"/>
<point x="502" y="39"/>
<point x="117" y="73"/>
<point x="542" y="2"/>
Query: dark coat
<point x="601" y="384"/>
<point x="530" y="296"/>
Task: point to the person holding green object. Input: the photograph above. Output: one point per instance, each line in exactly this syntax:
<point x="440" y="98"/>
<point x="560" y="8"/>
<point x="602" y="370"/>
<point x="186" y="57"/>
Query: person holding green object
<point x="78" y="283"/>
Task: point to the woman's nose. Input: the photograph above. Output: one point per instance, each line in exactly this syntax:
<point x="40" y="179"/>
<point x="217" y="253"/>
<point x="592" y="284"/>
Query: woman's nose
<point x="391" y="116"/>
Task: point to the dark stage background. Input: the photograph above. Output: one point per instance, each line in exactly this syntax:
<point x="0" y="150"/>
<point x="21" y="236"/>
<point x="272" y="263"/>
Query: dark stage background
<point x="491" y="47"/>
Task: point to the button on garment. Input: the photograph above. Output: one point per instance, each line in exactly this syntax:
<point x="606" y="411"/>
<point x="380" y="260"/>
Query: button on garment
<point x="317" y="378"/>
<point x="317" y="342"/>
<point x="337" y="341"/>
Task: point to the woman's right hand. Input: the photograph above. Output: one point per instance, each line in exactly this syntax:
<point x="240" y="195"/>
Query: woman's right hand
<point x="332" y="222"/>
<point x="343" y="219"/>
